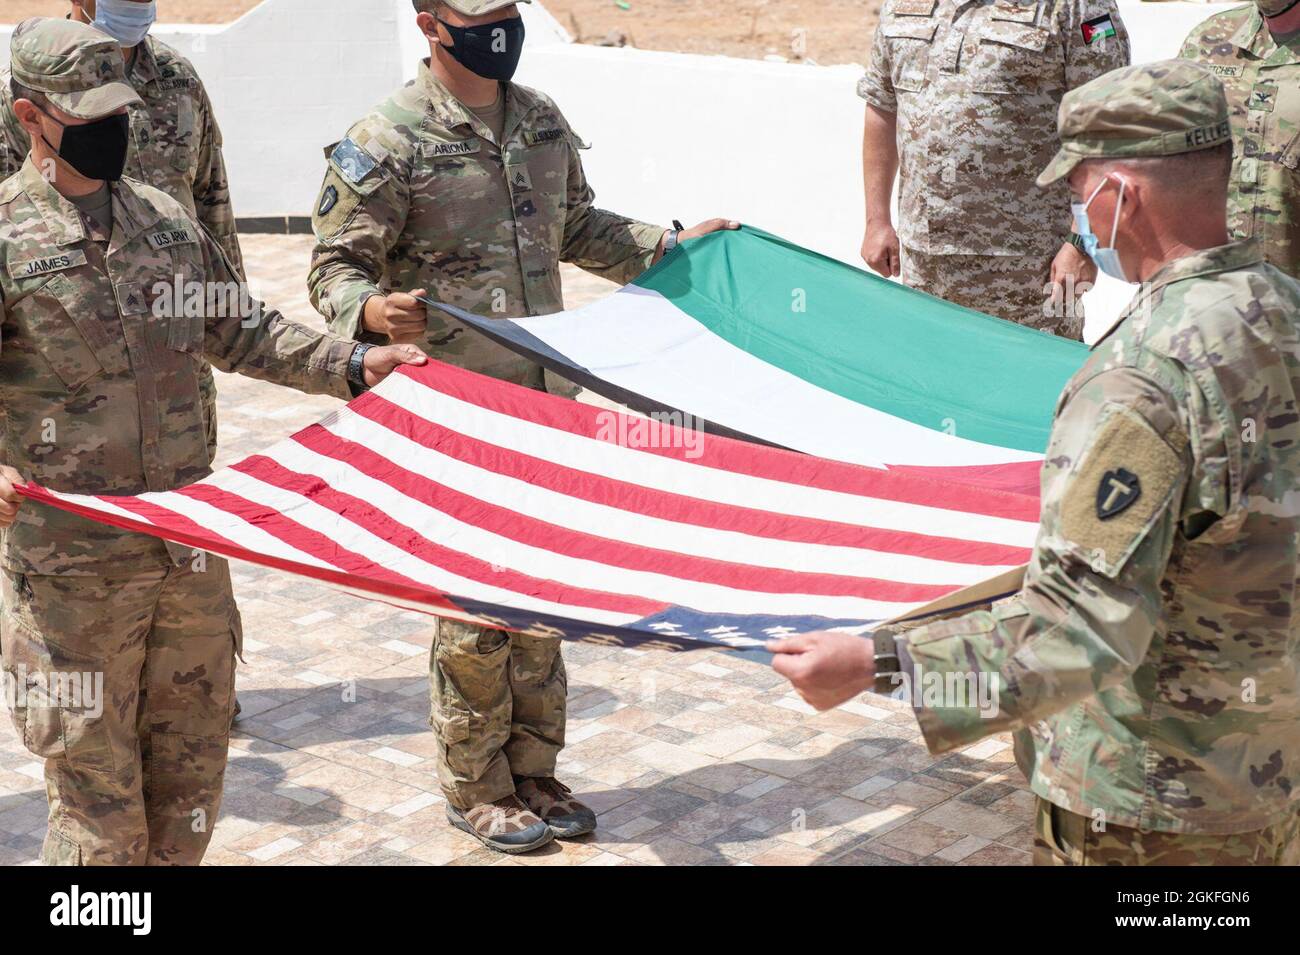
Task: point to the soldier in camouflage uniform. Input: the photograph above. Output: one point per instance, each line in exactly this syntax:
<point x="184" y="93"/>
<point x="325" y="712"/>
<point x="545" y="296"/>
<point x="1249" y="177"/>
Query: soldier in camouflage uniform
<point x="961" y="101"/>
<point x="1150" y="662"/>
<point x="470" y="188"/>
<point x="1255" y="52"/>
<point x="175" y="147"/>
<point x="100" y="394"/>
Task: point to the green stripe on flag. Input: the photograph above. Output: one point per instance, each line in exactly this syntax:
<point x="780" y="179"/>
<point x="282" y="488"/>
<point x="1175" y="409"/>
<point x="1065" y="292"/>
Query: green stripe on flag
<point x="871" y="340"/>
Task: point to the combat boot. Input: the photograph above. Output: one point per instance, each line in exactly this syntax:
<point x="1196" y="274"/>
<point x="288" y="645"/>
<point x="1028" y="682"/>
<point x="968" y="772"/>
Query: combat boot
<point x="554" y="802"/>
<point x="506" y="825"/>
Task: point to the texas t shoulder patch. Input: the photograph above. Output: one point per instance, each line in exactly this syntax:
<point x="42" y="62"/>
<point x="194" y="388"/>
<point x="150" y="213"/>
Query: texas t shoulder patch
<point x="1118" y="489"/>
<point x="1125" y="479"/>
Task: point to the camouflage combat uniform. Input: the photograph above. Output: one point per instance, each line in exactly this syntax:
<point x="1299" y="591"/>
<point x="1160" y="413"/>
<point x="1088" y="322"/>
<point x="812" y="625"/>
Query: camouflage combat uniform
<point x="1150" y="661"/>
<point x="975" y="87"/>
<point x="1262" y="80"/>
<point x="175" y="147"/>
<point x="100" y="394"/>
<point x="422" y="195"/>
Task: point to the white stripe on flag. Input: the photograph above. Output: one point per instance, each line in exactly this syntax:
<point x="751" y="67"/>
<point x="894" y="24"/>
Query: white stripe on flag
<point x="692" y="480"/>
<point x="625" y="338"/>
<point x="604" y="521"/>
<point x="533" y="561"/>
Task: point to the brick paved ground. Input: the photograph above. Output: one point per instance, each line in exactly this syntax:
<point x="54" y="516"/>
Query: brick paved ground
<point x="699" y="757"/>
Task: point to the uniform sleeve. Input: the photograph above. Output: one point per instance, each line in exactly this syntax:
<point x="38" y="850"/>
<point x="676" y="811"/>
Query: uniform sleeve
<point x="14" y="143"/>
<point x="876" y="87"/>
<point x="266" y="345"/>
<point x="357" y="222"/>
<point x="1117" y="466"/>
<point x="1089" y="50"/>
<point x="212" y="186"/>
<point x="603" y="243"/>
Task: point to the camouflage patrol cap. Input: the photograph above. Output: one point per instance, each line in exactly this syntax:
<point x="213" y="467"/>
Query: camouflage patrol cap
<point x="80" y="69"/>
<point x="476" y="8"/>
<point x="1156" y="109"/>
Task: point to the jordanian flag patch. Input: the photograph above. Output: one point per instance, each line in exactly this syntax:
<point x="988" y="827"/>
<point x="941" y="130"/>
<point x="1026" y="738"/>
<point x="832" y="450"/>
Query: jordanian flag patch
<point x="1097" y="29"/>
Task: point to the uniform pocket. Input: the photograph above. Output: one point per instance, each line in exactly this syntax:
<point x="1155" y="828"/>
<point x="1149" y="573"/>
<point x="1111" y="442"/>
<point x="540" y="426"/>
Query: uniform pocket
<point x="66" y="332"/>
<point x="185" y="334"/>
<point x="60" y="706"/>
<point x="1009" y="58"/>
<point x="909" y="40"/>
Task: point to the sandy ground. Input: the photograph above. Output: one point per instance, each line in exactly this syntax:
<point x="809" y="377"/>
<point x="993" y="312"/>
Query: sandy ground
<point x="822" y="31"/>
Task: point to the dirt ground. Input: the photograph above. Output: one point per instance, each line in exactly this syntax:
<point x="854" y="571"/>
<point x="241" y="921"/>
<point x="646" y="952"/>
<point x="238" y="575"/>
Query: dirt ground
<point x="822" y="31"/>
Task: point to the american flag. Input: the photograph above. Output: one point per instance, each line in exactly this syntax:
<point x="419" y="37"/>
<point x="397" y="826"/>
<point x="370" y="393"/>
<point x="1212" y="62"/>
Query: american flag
<point x="465" y="497"/>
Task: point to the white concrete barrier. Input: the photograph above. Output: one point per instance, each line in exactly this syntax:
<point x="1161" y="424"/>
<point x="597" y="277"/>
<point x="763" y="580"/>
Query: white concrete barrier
<point x="672" y="135"/>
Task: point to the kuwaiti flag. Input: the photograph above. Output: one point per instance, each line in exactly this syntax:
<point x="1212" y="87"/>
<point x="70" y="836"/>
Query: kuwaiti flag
<point x="763" y="339"/>
<point x="471" y="498"/>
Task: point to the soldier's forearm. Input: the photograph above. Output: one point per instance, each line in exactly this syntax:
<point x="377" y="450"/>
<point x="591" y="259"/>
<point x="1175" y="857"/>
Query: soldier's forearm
<point x="339" y="293"/>
<point x="879" y="162"/>
<point x="1001" y="670"/>
<point x="610" y="245"/>
<point x="283" y="353"/>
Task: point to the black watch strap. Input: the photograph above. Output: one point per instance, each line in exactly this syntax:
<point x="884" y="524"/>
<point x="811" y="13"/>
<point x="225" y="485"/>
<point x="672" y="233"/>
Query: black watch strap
<point x="357" y="366"/>
<point x="1076" y="240"/>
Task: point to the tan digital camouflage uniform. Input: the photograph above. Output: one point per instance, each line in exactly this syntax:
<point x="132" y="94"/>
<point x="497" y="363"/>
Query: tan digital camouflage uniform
<point x="975" y="87"/>
<point x="1151" y="660"/>
<point x="1262" y="80"/>
<point x="100" y="394"/>
<point x="175" y="147"/>
<point x="421" y="195"/>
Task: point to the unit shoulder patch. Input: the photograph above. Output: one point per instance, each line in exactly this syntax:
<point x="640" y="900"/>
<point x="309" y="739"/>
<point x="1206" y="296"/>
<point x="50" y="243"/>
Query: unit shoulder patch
<point x="328" y="198"/>
<point x="338" y="203"/>
<point x="1124" y="481"/>
<point x="1118" y="489"/>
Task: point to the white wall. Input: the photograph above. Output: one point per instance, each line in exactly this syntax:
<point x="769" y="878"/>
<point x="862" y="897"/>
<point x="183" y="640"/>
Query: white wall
<point x="672" y="135"/>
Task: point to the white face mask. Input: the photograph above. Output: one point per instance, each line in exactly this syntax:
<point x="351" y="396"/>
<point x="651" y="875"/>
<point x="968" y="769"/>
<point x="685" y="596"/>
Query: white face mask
<point x="1107" y="258"/>
<point x="127" y="23"/>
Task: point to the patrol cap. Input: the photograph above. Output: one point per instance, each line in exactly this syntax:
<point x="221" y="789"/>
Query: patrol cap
<point x="1156" y="109"/>
<point x="476" y="8"/>
<point x="80" y="69"/>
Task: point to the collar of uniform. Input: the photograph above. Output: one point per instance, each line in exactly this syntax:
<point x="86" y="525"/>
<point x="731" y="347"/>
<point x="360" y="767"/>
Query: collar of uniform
<point x="1251" y="36"/>
<point x="131" y="215"/>
<point x="59" y="214"/>
<point x="1221" y="258"/>
<point x="450" y="111"/>
<point x="145" y="69"/>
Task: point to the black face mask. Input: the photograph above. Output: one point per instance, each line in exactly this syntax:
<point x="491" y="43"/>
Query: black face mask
<point x="490" y="50"/>
<point x="96" y="150"/>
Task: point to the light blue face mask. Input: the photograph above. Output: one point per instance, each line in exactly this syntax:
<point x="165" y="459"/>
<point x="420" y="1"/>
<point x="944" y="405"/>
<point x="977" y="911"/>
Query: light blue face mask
<point x="1107" y="258"/>
<point x="127" y="23"/>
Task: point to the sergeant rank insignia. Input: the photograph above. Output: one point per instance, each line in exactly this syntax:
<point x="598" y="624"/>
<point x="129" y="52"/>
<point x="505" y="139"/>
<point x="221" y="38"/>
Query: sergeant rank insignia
<point x="1117" y="492"/>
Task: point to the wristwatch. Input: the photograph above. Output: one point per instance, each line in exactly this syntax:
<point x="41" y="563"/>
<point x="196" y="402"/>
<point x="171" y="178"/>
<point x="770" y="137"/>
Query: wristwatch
<point x="670" y="237"/>
<point x="1076" y="240"/>
<point x="887" y="663"/>
<point x="357" y="367"/>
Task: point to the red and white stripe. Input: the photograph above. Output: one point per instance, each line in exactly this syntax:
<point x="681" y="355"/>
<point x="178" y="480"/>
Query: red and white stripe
<point x="442" y="484"/>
